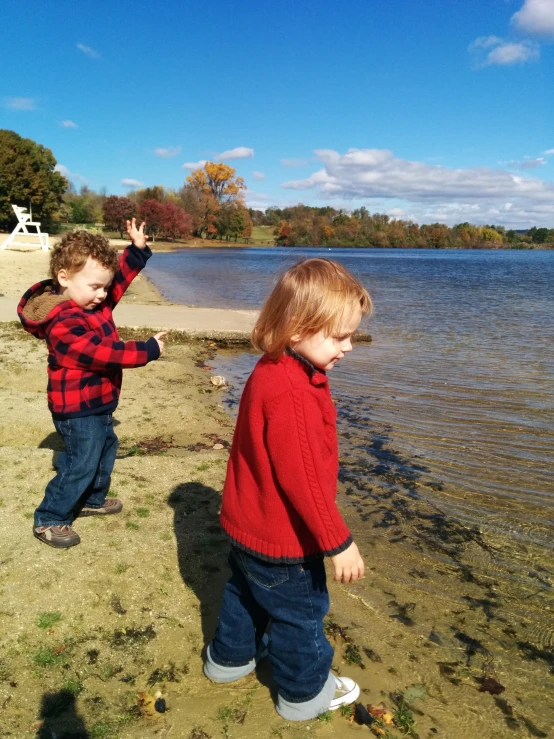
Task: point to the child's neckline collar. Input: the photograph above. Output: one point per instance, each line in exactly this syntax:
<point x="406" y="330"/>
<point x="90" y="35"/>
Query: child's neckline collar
<point x="317" y="376"/>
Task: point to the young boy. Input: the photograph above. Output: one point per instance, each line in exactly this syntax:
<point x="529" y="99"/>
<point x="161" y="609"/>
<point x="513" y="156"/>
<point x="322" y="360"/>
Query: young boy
<point x="72" y="312"/>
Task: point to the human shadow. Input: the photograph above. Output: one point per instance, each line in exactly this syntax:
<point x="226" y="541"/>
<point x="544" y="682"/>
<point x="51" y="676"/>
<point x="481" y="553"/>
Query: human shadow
<point x="60" y="718"/>
<point x="202" y="548"/>
<point x="202" y="553"/>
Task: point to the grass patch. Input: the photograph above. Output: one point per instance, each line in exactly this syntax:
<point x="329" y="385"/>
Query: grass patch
<point x="121" y="567"/>
<point x="73" y="686"/>
<point x="326" y="717"/>
<point x="132" y="525"/>
<point x="47" y="619"/>
<point x="47" y="656"/>
<point x="111" y="494"/>
<point x="142" y="512"/>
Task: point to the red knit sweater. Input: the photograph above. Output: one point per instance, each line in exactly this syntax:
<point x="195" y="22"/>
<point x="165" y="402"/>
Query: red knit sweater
<point x="279" y="495"/>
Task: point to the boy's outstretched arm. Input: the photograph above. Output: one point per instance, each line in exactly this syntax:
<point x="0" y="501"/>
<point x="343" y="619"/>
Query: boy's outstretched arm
<point x="75" y="346"/>
<point x="131" y="262"/>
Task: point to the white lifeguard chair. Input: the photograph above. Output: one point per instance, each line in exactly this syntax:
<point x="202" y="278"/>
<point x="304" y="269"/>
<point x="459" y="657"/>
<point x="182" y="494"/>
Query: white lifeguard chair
<point x="24" y="220"/>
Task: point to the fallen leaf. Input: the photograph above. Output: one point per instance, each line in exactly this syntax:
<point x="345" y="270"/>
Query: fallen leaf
<point x="147" y="706"/>
<point x="377" y="711"/>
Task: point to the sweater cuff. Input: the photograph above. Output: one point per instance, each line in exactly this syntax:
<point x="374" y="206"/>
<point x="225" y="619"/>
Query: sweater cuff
<point x="136" y="258"/>
<point x="152" y="349"/>
<point x="341" y="548"/>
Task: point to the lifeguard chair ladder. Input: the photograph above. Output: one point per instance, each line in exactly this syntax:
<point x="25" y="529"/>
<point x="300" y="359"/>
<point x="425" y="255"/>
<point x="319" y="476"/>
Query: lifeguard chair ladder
<point x="24" y="220"/>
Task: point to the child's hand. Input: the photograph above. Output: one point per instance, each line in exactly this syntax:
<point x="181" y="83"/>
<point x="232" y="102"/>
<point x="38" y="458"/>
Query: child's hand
<point x="137" y="235"/>
<point x="158" y="338"/>
<point x="349" y="566"/>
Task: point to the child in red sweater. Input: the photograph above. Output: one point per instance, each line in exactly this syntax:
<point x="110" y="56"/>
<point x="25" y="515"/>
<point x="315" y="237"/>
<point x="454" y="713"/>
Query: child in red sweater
<point x="279" y="507"/>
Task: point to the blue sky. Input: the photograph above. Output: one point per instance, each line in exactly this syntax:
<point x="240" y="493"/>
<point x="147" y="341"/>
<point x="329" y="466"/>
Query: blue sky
<point x="439" y="110"/>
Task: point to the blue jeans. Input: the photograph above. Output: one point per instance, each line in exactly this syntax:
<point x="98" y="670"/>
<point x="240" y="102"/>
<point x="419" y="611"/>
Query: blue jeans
<point x="295" y="599"/>
<point x="83" y="469"/>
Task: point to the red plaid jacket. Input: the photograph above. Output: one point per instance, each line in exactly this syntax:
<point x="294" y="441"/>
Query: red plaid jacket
<point x="85" y="354"/>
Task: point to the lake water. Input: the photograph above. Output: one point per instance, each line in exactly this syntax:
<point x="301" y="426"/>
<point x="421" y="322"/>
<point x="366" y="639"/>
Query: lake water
<point x="446" y="427"/>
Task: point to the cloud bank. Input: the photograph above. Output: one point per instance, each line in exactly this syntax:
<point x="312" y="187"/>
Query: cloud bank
<point x="536" y="18"/>
<point x="426" y="193"/>
<point x="68" y="124"/>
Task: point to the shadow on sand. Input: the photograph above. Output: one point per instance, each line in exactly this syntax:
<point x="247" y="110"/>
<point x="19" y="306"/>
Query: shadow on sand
<point x="60" y="717"/>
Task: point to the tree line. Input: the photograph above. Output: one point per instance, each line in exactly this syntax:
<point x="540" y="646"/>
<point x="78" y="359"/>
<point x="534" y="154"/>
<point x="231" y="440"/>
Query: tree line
<point x="303" y="225"/>
<point x="211" y="205"/>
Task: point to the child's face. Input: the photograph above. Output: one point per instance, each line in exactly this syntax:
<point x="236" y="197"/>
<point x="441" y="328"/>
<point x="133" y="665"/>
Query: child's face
<point x="88" y="287"/>
<point x="325" y="351"/>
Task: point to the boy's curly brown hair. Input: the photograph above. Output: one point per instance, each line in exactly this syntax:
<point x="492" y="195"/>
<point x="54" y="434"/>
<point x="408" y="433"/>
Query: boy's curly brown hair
<point x="75" y="247"/>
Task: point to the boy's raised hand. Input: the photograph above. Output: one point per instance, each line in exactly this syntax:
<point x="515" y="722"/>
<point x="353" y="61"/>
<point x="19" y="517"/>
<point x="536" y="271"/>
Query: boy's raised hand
<point x="137" y="235"/>
<point x="349" y="565"/>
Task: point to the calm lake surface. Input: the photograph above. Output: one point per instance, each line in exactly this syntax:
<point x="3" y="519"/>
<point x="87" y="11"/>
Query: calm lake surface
<point x="446" y="425"/>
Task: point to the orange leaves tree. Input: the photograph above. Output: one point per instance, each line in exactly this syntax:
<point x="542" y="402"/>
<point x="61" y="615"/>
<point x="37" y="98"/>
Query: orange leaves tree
<point x="214" y="196"/>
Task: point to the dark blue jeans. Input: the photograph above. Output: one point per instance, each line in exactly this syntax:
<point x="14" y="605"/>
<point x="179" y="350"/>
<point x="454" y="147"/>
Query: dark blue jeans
<point x="295" y="599"/>
<point x="83" y="469"/>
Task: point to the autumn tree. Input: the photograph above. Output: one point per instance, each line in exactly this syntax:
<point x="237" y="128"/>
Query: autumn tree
<point x="175" y="222"/>
<point x="209" y="190"/>
<point x="28" y="178"/>
<point x="117" y="210"/>
<point x="152" y="213"/>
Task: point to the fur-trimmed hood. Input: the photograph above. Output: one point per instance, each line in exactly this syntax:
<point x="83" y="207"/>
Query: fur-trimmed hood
<point x="39" y="305"/>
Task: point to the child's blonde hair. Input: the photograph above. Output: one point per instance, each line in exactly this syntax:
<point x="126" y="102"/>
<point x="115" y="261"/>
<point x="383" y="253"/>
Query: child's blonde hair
<point x="314" y="295"/>
<point x="75" y="247"/>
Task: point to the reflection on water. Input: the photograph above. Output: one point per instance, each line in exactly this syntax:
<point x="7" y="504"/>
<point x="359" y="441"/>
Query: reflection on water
<point x="446" y="428"/>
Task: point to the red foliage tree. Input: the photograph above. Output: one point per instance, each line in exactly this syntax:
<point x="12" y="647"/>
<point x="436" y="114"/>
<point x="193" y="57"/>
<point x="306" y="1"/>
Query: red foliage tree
<point x="152" y="213"/>
<point x="117" y="210"/>
<point x="175" y="221"/>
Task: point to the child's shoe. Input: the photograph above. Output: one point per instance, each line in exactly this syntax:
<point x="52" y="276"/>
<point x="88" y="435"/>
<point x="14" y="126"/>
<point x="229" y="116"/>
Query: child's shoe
<point x="337" y="691"/>
<point x="111" y="505"/>
<point x="60" y="537"/>
<point x="346" y="692"/>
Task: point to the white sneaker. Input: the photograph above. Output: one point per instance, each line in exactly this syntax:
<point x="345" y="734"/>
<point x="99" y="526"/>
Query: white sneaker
<point x="346" y="692"/>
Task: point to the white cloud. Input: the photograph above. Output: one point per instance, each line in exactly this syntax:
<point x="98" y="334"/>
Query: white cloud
<point x="68" y="124"/>
<point x="294" y="162"/>
<point x="73" y="176"/>
<point x="195" y="165"/>
<point x="548" y="152"/>
<point x="89" y="51"/>
<point x="527" y="163"/>
<point x="239" y="152"/>
<point x="129" y="182"/>
<point x="536" y="18"/>
<point x="478" y="194"/>
<point x="168" y="153"/>
<point x="258" y="176"/>
<point x="20" y="103"/>
<point x="489" y="50"/>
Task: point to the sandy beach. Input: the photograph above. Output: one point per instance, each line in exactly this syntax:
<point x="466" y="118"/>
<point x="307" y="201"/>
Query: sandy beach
<point x="129" y="611"/>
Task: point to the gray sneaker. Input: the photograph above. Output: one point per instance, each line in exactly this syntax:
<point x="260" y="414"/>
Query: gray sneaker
<point x="60" y="537"/>
<point x="111" y="505"/>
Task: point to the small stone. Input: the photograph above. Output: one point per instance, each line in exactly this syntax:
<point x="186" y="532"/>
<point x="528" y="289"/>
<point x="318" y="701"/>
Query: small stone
<point x="218" y="446"/>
